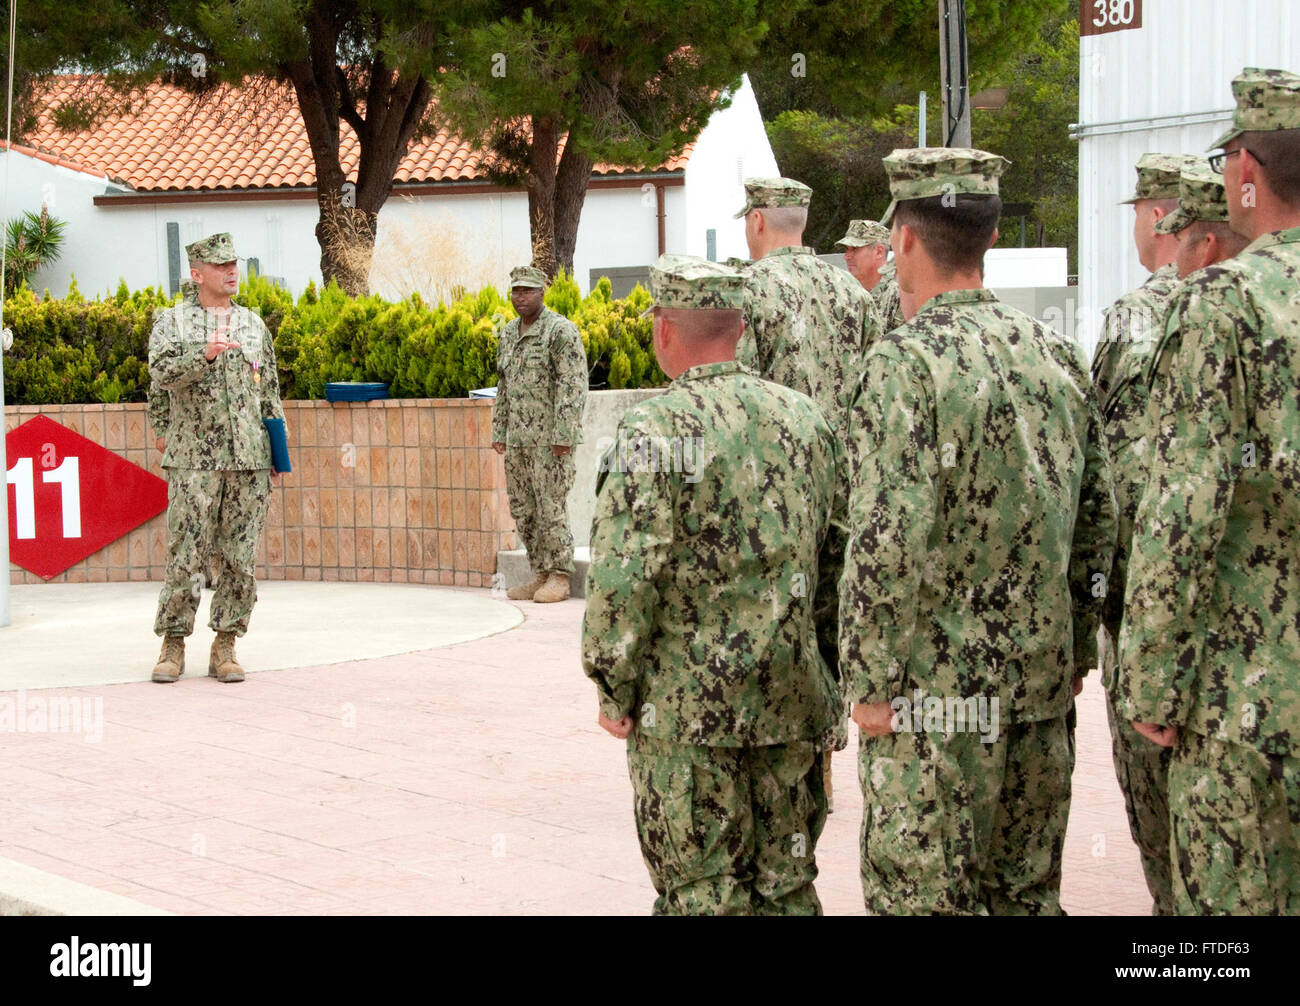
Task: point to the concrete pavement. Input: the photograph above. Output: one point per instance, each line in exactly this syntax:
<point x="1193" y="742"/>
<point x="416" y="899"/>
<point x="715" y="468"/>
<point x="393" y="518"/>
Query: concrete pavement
<point x="467" y="776"/>
<point x="100" y="634"/>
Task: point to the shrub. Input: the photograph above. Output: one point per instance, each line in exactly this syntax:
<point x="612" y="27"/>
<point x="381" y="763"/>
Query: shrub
<point x="73" y="350"/>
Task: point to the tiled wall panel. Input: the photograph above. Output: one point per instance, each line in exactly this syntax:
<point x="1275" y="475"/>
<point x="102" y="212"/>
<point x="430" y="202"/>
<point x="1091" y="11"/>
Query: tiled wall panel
<point x="407" y="491"/>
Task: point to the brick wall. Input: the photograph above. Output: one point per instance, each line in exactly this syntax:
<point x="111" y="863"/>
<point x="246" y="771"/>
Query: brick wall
<point x="404" y="491"/>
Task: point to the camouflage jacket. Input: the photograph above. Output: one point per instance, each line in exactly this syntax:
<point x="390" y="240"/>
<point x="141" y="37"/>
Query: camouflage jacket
<point x="159" y="407"/>
<point x="887" y="303"/>
<point x="981" y="518"/>
<point x="1131" y="330"/>
<point x="541" y="383"/>
<point x="808" y="326"/>
<point x="711" y="592"/>
<point x="1211" y="636"/>
<point x="1131" y="327"/>
<point x="215" y="412"/>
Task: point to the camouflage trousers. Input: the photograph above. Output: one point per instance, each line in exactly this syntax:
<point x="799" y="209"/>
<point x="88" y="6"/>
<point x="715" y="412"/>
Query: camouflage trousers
<point x="729" y="831"/>
<point x="1142" y="769"/>
<point x="952" y="825"/>
<point x="1235" y="818"/>
<point x="538" y="484"/>
<point x="214" y="520"/>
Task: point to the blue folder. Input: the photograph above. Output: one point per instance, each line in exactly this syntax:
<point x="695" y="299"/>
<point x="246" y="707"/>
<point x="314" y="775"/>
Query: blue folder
<point x="279" y="445"/>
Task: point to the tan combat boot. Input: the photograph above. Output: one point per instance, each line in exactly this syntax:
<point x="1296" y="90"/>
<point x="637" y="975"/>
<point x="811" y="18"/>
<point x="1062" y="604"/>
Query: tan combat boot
<point x="556" y="588"/>
<point x="527" y="590"/>
<point x="222" y="664"/>
<point x="171" y="663"/>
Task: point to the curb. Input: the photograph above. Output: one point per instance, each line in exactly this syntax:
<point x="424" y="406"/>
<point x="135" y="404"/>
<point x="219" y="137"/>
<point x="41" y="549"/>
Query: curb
<point x="25" y="890"/>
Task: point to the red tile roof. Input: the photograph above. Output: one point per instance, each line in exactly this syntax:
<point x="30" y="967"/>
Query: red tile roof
<point x="168" y="142"/>
<point x="40" y="155"/>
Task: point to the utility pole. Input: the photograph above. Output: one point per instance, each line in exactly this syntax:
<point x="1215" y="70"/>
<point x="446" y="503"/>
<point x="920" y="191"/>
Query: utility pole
<point x="4" y="462"/>
<point x="954" y="73"/>
<point x="4" y="332"/>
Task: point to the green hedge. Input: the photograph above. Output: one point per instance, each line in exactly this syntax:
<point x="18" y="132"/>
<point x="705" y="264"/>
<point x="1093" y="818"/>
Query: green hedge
<point x="75" y="350"/>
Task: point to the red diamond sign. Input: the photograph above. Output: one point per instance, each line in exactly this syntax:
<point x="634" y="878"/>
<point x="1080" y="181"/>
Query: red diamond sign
<point x="69" y="497"/>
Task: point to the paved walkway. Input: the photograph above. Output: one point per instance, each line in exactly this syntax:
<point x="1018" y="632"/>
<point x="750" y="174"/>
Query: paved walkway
<point x="469" y="778"/>
<point x="102" y="634"/>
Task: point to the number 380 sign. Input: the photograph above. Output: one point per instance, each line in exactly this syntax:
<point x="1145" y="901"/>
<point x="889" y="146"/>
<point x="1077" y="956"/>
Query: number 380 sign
<point x="69" y="497"/>
<point x="1097" y="17"/>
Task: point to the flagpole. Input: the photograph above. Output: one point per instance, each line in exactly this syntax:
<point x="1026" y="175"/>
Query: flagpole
<point x="4" y="230"/>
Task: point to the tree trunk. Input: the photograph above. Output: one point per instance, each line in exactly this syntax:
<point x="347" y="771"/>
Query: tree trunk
<point x="346" y="235"/>
<point x="394" y="106"/>
<point x="571" y="181"/>
<point x="541" y="194"/>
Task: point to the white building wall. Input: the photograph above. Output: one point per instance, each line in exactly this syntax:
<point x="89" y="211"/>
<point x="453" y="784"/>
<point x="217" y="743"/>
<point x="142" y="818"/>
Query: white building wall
<point x="68" y="195"/>
<point x="1164" y="87"/>
<point x="732" y="147"/>
<point x="279" y="233"/>
<point x="620" y="227"/>
<point x="425" y="243"/>
<point x="105" y="245"/>
<point x="428" y="244"/>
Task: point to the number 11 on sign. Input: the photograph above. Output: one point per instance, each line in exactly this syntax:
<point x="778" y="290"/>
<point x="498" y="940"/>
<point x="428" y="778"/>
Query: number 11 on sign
<point x="21" y="477"/>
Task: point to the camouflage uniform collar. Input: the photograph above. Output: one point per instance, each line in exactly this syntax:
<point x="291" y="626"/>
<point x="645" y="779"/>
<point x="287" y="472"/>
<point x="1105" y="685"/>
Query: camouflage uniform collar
<point x="194" y="303"/>
<point x="1289" y="235"/>
<point x="706" y="370"/>
<point x="981" y="296"/>
<point x="236" y="313"/>
<point x="790" y="250"/>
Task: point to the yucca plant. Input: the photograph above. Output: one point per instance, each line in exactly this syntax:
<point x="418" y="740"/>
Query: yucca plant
<point x="32" y="240"/>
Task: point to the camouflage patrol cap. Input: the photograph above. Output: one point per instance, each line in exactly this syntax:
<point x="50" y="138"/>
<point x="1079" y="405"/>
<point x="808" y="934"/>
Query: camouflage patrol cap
<point x="1200" y="197"/>
<point x="1158" y="175"/>
<point x="862" y="233"/>
<point x="1266" y="100"/>
<point x="685" y="281"/>
<point x="920" y="172"/>
<point x="527" y="275"/>
<point x="215" y="248"/>
<point x="768" y="193"/>
<point x="742" y="264"/>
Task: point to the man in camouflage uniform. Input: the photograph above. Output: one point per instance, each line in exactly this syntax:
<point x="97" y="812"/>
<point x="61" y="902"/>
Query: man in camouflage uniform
<point x="1200" y="224"/>
<point x="808" y="325"/>
<point x="214" y="364"/>
<point x="710" y="599"/>
<point x="1131" y="326"/>
<point x="981" y="526"/>
<point x="1131" y="329"/>
<point x="1210" y="656"/>
<point x="866" y="247"/>
<point x="541" y="390"/>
